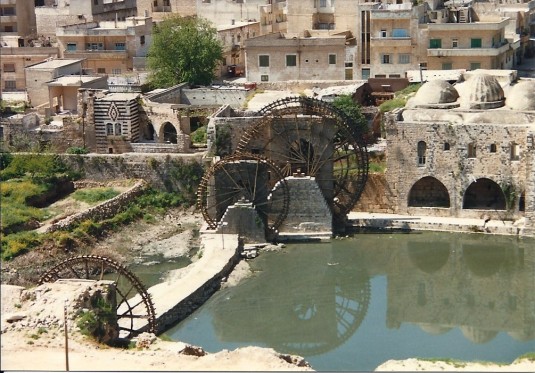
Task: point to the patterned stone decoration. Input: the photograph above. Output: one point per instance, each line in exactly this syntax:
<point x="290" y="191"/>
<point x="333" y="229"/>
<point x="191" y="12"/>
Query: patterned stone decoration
<point x="113" y="112"/>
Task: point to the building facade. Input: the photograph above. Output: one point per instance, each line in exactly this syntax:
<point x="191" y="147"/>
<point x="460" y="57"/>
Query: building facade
<point x="17" y="22"/>
<point x="108" y="47"/>
<point x="465" y="151"/>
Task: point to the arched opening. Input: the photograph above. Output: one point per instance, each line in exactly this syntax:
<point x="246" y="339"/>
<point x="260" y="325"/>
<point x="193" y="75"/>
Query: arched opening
<point x="427" y="257"/>
<point x="472" y="150"/>
<point x="484" y="194"/>
<point x="169" y="133"/>
<point x="522" y="202"/>
<point x="446" y="146"/>
<point x="422" y="149"/>
<point x="429" y="192"/>
<point x="149" y="133"/>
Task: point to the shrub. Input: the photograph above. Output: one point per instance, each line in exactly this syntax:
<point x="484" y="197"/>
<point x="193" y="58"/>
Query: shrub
<point x="199" y="135"/>
<point x="94" y="195"/>
<point x="77" y="150"/>
<point x="95" y="322"/>
<point x="18" y="243"/>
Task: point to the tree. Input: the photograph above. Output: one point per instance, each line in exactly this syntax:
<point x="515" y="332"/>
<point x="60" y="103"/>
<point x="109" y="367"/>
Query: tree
<point x="345" y="104"/>
<point x="183" y="49"/>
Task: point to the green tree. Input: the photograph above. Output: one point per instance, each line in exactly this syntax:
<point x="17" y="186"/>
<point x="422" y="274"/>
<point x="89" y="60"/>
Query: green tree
<point x="345" y="104"/>
<point x="183" y="49"/>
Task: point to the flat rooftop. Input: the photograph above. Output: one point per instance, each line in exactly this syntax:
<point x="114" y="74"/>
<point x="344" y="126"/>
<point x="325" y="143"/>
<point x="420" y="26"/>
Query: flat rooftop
<point x="73" y="80"/>
<point x="54" y="64"/>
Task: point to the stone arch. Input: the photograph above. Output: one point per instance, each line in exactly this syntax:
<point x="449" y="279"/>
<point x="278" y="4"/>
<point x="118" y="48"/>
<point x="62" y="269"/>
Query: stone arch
<point x="484" y="194"/>
<point x="168" y="133"/>
<point x="429" y="192"/>
<point x="429" y="258"/>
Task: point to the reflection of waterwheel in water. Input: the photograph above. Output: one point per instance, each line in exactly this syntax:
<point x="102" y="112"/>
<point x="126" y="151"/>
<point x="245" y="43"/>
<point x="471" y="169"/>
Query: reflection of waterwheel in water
<point x="246" y="177"/>
<point x="133" y="300"/>
<point x="351" y="306"/>
<point x="311" y="137"/>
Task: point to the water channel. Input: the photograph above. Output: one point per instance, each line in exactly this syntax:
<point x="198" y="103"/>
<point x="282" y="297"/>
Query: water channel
<point x="351" y="304"/>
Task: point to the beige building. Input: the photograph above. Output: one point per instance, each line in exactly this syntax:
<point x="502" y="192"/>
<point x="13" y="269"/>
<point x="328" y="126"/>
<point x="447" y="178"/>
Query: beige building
<point x="159" y="9"/>
<point x="13" y="63"/>
<point x="54" y="84"/>
<point x="273" y="17"/>
<point x="233" y="37"/>
<point x="276" y="57"/>
<point x="17" y="22"/>
<point x="466" y="150"/>
<point x="68" y="12"/>
<point x="108" y="47"/>
<point x="469" y="43"/>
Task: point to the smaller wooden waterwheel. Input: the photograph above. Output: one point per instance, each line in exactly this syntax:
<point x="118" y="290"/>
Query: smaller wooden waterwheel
<point x="133" y="300"/>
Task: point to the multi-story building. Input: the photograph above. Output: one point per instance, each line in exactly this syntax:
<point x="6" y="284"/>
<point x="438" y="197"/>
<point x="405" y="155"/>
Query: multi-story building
<point x="159" y="9"/>
<point x="273" y="17"/>
<point x="108" y="47"/>
<point x="276" y="57"/>
<point x="14" y="61"/>
<point x="17" y="22"/>
<point x="468" y="41"/>
<point x="224" y="12"/>
<point x="233" y="38"/>
<point x="67" y="12"/>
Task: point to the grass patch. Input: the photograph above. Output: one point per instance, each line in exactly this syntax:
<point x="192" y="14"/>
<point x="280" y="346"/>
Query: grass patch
<point x="95" y="195"/>
<point x="452" y="362"/>
<point x="377" y="167"/>
<point x="528" y="356"/>
<point x="15" y="212"/>
<point x="19" y="243"/>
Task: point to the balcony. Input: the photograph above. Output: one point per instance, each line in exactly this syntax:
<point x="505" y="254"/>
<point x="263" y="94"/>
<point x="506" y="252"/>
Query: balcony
<point x="97" y="54"/>
<point x="467" y="52"/>
<point x="8" y="19"/>
<point x="162" y="9"/>
<point x="391" y="41"/>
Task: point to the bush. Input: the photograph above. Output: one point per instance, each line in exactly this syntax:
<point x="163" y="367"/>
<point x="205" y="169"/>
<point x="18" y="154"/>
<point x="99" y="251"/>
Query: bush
<point x="95" y="195"/>
<point x="19" y="243"/>
<point x="199" y="135"/>
<point x="77" y="150"/>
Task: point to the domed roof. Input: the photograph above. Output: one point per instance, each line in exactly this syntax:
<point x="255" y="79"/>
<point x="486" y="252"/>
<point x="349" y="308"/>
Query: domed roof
<point x="483" y="92"/>
<point x="522" y="96"/>
<point x="435" y="93"/>
<point x="477" y="335"/>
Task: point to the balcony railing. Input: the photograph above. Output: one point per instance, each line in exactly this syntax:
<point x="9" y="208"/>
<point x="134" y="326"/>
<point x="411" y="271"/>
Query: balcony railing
<point x="467" y="52"/>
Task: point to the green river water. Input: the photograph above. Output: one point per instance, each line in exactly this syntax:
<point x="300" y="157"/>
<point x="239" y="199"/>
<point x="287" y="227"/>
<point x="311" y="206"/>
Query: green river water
<point x="353" y="303"/>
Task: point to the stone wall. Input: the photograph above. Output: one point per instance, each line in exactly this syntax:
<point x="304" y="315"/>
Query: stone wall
<point x="377" y="196"/>
<point x="101" y="211"/>
<point x="158" y="170"/>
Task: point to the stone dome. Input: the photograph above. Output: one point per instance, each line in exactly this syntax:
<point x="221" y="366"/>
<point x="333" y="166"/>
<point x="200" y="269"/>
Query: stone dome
<point x="435" y="94"/>
<point x="522" y="96"/>
<point x="483" y="92"/>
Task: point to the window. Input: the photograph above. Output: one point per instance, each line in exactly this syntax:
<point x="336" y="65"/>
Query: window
<point x="71" y="47"/>
<point x="446" y="146"/>
<point x="400" y="33"/>
<point x="142" y="40"/>
<point x="422" y="148"/>
<point x="120" y="47"/>
<point x="8" y="11"/>
<point x="116" y="71"/>
<point x="11" y="85"/>
<point x="323" y="3"/>
<point x="332" y="59"/>
<point x="95" y="2"/>
<point x="404" y="58"/>
<point x="118" y="129"/>
<point x="435" y="43"/>
<point x="493" y="148"/>
<point x="291" y="60"/>
<point x="8" y="28"/>
<point x="447" y="66"/>
<point x="9" y="67"/>
<point x="475" y="65"/>
<point x="454" y="43"/>
<point x="471" y="150"/>
<point x="380" y="76"/>
<point x="365" y="74"/>
<point x="263" y="60"/>
<point x="101" y="70"/>
<point x="475" y="43"/>
<point x="394" y="76"/>
<point x="515" y="151"/>
<point x="383" y="33"/>
<point x="264" y="78"/>
<point x="109" y="129"/>
<point x="386" y="58"/>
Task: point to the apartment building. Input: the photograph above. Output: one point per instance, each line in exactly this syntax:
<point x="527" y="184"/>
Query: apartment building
<point x="221" y="12"/>
<point x="68" y="12"/>
<point x="17" y="22"/>
<point x="273" y="16"/>
<point x="108" y="47"/>
<point x="159" y="9"/>
<point x="466" y="43"/>
<point x="233" y="37"/>
<point x="278" y="57"/>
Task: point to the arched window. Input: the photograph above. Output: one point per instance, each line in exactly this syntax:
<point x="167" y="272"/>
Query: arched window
<point x="422" y="148"/>
<point x="446" y="146"/>
<point x="109" y="129"/>
<point x="118" y="130"/>
<point x="471" y="150"/>
<point x="515" y="151"/>
<point x="493" y="148"/>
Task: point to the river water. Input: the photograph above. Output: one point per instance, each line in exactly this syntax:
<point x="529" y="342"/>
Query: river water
<point x="352" y="304"/>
